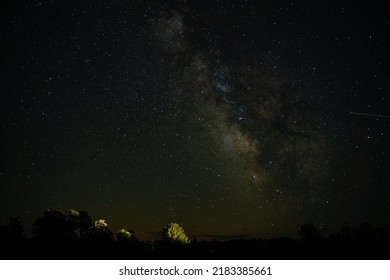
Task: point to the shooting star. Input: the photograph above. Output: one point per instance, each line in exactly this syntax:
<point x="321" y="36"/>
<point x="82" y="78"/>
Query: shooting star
<point x="369" y="115"/>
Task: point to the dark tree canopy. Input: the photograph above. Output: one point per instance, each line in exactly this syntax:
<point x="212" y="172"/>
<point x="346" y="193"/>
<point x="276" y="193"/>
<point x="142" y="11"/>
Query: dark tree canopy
<point x="308" y="233"/>
<point x="13" y="231"/>
<point x="56" y="224"/>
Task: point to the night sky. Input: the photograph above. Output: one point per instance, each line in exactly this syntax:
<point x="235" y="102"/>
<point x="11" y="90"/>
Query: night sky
<point x="231" y="118"/>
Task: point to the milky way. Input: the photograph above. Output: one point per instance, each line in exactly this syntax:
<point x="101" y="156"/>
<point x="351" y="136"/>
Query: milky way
<point x="248" y="113"/>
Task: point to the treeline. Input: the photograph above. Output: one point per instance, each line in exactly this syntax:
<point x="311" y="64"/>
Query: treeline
<point x="73" y="235"/>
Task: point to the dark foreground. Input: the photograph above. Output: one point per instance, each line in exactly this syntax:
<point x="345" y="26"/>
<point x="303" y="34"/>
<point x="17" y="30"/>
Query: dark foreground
<point x="72" y="235"/>
<point x="333" y="247"/>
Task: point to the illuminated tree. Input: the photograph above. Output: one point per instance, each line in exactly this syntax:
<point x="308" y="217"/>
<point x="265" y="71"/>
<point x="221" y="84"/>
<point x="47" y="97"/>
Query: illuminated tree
<point x="101" y="223"/>
<point x="125" y="235"/>
<point x="174" y="232"/>
<point x="98" y="232"/>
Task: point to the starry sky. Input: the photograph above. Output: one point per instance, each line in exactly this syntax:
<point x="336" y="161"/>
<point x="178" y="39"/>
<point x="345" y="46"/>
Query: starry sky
<point x="232" y="118"/>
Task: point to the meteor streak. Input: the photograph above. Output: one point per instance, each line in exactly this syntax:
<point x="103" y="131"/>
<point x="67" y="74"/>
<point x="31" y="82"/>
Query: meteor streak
<point x="369" y="115"/>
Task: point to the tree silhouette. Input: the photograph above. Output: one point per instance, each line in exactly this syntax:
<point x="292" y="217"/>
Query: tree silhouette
<point x="58" y="225"/>
<point x="174" y="232"/>
<point x="84" y="222"/>
<point x="347" y="231"/>
<point x="308" y="233"/>
<point x="71" y="234"/>
<point x="13" y="231"/>
<point x="55" y="225"/>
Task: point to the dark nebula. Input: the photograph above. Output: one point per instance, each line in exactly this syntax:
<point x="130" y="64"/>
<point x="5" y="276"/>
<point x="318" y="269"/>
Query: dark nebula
<point x="231" y="118"/>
